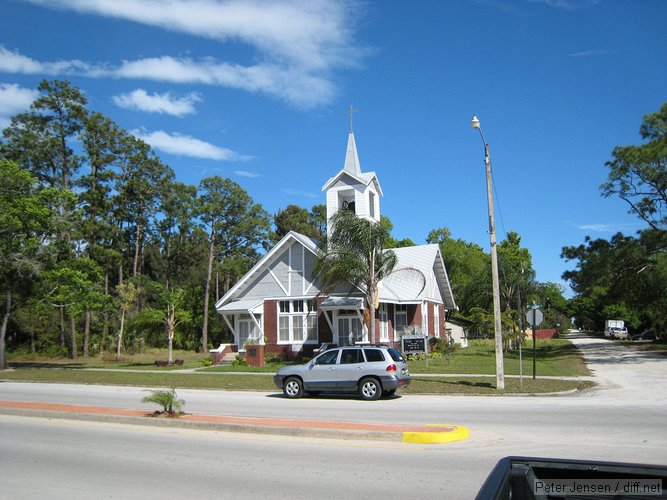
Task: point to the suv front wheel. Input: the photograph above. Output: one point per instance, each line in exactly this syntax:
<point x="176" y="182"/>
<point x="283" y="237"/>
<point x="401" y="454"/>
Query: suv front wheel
<point x="370" y="389"/>
<point x="293" y="388"/>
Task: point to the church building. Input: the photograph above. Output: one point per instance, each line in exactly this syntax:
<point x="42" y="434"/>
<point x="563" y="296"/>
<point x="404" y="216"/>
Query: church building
<point x="281" y="305"/>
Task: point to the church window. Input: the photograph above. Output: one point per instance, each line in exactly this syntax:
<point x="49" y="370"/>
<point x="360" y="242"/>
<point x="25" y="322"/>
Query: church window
<point x="297" y="321"/>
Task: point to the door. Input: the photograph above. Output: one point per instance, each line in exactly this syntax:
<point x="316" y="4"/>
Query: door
<point x="350" y="330"/>
<point x="350" y="368"/>
<point x="321" y="374"/>
<point x="247" y="331"/>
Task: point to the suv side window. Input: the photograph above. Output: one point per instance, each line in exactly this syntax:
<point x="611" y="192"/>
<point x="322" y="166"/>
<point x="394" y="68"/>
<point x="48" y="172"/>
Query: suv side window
<point x="351" y="356"/>
<point x="395" y="355"/>
<point x="374" y="355"/>
<point x="327" y="358"/>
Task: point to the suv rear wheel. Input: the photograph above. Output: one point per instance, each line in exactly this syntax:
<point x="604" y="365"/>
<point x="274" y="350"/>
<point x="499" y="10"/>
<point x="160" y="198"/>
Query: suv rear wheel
<point x="370" y="389"/>
<point x="293" y="388"/>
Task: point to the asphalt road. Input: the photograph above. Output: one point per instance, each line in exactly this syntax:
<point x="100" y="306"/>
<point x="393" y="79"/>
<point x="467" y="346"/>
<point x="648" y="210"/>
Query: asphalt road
<point x="623" y="420"/>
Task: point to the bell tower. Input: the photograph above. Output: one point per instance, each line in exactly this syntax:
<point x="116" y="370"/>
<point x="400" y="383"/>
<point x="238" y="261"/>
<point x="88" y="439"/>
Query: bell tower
<point x="352" y="189"/>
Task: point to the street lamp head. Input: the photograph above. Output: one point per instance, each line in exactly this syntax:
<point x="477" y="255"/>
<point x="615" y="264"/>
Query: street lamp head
<point x="474" y="123"/>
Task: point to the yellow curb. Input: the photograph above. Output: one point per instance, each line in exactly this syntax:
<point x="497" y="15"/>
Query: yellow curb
<point x="458" y="434"/>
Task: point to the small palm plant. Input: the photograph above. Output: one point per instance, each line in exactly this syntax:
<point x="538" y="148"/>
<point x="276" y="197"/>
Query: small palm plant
<point x="171" y="405"/>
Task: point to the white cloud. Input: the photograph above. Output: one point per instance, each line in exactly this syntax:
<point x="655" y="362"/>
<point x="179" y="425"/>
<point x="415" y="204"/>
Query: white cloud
<point x="245" y="173"/>
<point x="312" y="34"/>
<point x="588" y="53"/>
<point x="606" y="228"/>
<point x="13" y="62"/>
<point x="165" y="103"/>
<point x="300" y="89"/>
<point x="569" y="4"/>
<point x="185" y="145"/>
<point x="296" y="87"/>
<point x="297" y="43"/>
<point x="13" y="100"/>
<point x="296" y="192"/>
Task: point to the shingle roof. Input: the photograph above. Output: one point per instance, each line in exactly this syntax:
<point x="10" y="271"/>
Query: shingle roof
<point x="419" y="274"/>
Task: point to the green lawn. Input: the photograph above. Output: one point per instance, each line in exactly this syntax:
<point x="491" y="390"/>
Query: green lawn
<point x="141" y="361"/>
<point x="142" y="379"/>
<point x="250" y="382"/>
<point x="487" y="385"/>
<point x="554" y="358"/>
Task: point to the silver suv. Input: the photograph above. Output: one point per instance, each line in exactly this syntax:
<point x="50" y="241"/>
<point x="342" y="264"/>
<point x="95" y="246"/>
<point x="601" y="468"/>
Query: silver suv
<point x="371" y="371"/>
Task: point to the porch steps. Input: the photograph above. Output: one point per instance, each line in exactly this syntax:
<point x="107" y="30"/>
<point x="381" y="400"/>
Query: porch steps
<point x="228" y="358"/>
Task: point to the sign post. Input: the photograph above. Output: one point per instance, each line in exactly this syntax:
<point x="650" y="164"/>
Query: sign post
<point x="534" y="318"/>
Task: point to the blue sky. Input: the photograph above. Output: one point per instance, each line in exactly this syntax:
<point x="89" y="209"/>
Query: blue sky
<point x="258" y="91"/>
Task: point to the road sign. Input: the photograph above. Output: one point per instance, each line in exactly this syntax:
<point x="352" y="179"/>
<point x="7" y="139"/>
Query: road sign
<point x="534" y="317"/>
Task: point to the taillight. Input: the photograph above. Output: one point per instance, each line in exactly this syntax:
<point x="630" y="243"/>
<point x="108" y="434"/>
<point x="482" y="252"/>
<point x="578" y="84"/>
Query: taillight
<point x="391" y="368"/>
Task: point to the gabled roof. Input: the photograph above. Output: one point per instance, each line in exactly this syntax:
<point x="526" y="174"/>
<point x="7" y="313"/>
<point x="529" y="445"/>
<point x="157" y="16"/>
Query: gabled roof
<point x="419" y="274"/>
<point x="308" y="243"/>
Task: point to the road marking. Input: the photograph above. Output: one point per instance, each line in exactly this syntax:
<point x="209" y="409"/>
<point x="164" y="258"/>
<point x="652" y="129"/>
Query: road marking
<point x="453" y="433"/>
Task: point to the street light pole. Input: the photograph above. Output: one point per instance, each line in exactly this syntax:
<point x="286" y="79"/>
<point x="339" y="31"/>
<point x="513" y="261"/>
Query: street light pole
<point x="500" y="371"/>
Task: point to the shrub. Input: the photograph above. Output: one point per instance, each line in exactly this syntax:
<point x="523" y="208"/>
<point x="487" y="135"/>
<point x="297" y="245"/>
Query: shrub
<point x="239" y="361"/>
<point x="168" y="400"/>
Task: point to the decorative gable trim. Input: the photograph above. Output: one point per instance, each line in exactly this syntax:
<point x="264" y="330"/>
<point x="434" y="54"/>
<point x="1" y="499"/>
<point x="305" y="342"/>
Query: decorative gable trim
<point x="277" y="250"/>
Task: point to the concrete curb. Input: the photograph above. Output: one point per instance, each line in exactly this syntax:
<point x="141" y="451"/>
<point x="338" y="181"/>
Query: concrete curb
<point x="416" y="434"/>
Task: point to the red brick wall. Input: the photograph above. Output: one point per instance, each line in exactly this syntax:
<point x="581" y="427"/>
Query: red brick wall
<point x="431" y="319"/>
<point x="390" y="313"/>
<point x="324" y="333"/>
<point x="415" y="315"/>
<point x="271" y="321"/>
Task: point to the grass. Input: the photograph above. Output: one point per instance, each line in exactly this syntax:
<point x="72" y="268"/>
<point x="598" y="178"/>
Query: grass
<point x="140" y="361"/>
<point x="250" y="382"/>
<point x="142" y="379"/>
<point x="267" y="368"/>
<point x="487" y="386"/>
<point x="554" y="358"/>
<point x="647" y="346"/>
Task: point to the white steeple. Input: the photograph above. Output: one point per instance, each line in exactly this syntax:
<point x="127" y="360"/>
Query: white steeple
<point x="353" y="189"/>
<point x="352" y="165"/>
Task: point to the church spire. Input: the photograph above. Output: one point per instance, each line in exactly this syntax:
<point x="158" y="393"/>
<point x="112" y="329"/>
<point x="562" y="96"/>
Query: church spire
<point x="352" y="189"/>
<point x="352" y="165"/>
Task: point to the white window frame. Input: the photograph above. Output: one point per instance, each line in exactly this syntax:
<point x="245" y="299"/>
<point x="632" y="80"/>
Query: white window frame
<point x="384" y="323"/>
<point x="425" y="318"/>
<point x="400" y="310"/>
<point x="371" y="204"/>
<point x="296" y="319"/>
<point x="436" y="320"/>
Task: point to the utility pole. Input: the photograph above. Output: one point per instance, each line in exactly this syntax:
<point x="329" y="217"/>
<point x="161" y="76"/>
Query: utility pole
<point x="498" y="334"/>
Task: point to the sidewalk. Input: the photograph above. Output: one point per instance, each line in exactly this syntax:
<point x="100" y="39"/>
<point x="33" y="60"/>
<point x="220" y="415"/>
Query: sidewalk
<point x="202" y="371"/>
<point x="416" y="434"/>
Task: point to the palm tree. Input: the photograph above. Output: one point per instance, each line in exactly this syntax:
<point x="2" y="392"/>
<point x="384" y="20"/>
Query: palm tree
<point x="355" y="254"/>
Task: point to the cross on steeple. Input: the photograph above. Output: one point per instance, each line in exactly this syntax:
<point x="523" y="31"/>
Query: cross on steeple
<point x="351" y="111"/>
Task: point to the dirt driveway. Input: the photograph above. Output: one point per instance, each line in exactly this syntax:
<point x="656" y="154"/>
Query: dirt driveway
<point x="623" y="372"/>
